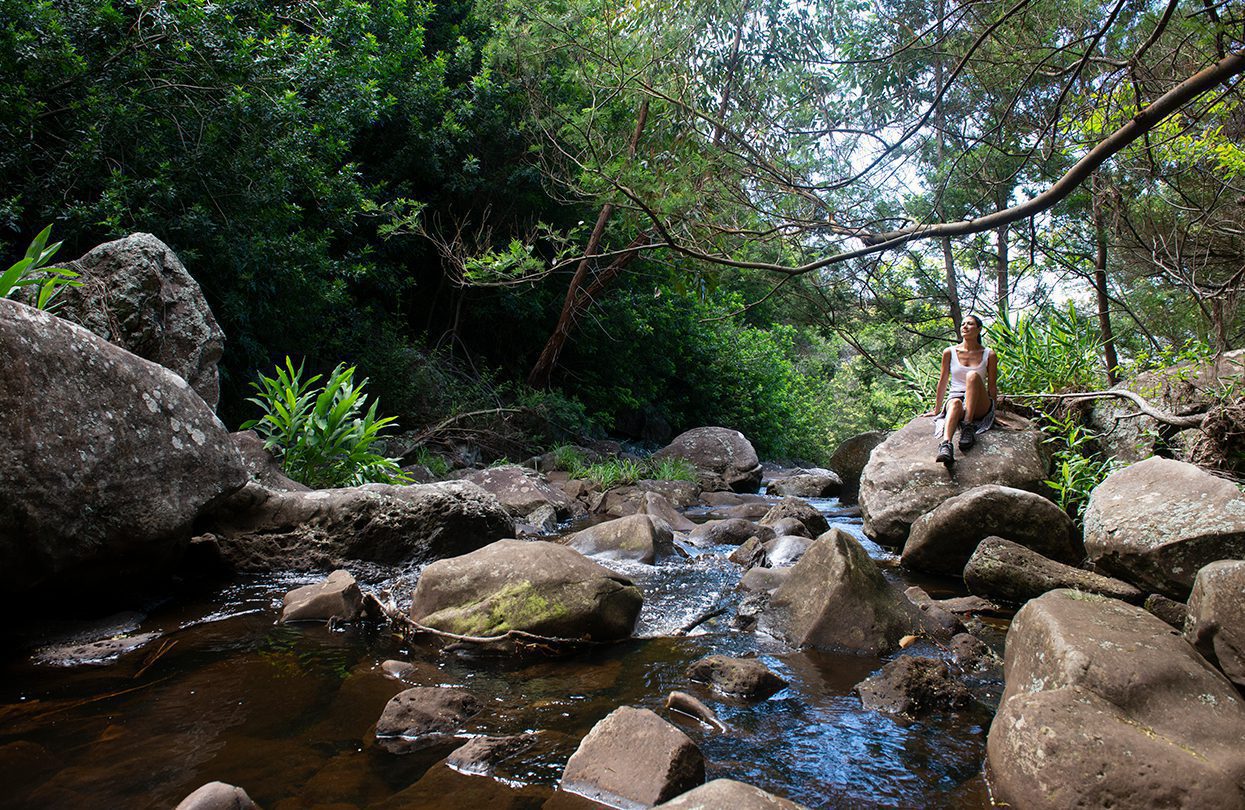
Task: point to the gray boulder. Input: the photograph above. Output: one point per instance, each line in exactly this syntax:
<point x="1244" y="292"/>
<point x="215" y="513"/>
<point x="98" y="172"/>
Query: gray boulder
<point x="633" y="758"/>
<point x="1157" y="522"/>
<point x="522" y="491"/>
<point x="318" y="530"/>
<point x="427" y="715"/>
<point x="108" y="458"/>
<point x="941" y="541"/>
<point x="790" y="526"/>
<point x="721" y="794"/>
<point x="902" y="481"/>
<point x="336" y="597"/>
<point x="1216" y="619"/>
<point x="1001" y="569"/>
<point x="739" y="677"/>
<point x="824" y="484"/>
<point x="1105" y="706"/>
<point x="724" y="458"/>
<point x="785" y="551"/>
<point x="262" y="466"/>
<point x="630" y="499"/>
<point x="536" y="587"/>
<point x="217" y="796"/>
<point x="1169" y="610"/>
<point x="913" y="686"/>
<point x="767" y="580"/>
<point x="802" y="511"/>
<point x="638" y="537"/>
<point x="136" y="294"/>
<point x="851" y="456"/>
<point x="729" y="532"/>
<point x="836" y="598"/>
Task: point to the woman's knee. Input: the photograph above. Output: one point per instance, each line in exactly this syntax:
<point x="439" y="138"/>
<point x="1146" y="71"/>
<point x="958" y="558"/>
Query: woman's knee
<point x="955" y="407"/>
<point x="974" y="377"/>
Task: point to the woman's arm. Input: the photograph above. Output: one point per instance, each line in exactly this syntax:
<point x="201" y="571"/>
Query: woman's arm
<point x="992" y="377"/>
<point x="942" y="382"/>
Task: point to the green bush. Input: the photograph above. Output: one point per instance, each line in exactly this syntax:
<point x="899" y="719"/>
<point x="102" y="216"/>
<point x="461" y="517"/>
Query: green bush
<point x="1077" y="467"/>
<point x="1052" y="351"/>
<point x="32" y="271"/>
<point x="322" y="435"/>
<point x="622" y="471"/>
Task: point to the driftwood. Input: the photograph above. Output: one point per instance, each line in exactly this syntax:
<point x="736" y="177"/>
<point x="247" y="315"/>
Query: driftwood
<point x="1182" y="421"/>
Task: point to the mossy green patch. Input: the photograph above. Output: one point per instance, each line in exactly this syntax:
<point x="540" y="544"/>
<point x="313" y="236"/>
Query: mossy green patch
<point x="518" y="606"/>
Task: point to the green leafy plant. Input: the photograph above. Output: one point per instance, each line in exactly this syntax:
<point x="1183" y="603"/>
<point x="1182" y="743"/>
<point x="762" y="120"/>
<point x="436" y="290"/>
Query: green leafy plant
<point x="32" y="271"/>
<point x="622" y="471"/>
<point x="322" y="434"/>
<point x="1054" y="350"/>
<point x="671" y="469"/>
<point x="438" y="465"/>
<point x="1077" y="468"/>
<point x="568" y="457"/>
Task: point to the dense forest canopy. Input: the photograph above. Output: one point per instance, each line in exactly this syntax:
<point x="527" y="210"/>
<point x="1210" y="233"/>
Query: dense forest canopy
<point x="639" y="217"/>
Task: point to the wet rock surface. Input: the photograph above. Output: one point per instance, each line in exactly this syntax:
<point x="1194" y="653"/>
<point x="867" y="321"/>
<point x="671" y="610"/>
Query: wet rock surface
<point x="741" y="677"/>
<point x="337" y="597"/>
<point x="638" y="537"/>
<point x="632" y="756"/>
<point x="426" y="715"/>
<point x="729" y="532"/>
<point x="1157" y="522"/>
<point x="913" y="686"/>
<point x="814" y="521"/>
<point x="481" y="754"/>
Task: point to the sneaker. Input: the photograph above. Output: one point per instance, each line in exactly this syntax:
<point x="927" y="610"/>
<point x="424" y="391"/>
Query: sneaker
<point x="968" y="435"/>
<point x="946" y="455"/>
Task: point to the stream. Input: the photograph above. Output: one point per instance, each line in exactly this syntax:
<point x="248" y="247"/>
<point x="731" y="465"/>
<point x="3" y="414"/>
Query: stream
<point x="222" y="692"/>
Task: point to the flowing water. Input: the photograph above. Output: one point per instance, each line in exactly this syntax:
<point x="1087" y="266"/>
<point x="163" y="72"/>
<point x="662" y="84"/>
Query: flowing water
<point x="224" y="693"/>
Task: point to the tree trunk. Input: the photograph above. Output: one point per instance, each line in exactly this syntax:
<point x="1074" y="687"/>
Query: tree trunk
<point x="1100" y="286"/>
<point x="1001" y="281"/>
<point x="948" y="256"/>
<point x="953" y="290"/>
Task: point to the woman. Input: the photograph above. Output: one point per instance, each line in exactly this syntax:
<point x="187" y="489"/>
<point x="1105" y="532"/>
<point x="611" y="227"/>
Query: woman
<point x="973" y="372"/>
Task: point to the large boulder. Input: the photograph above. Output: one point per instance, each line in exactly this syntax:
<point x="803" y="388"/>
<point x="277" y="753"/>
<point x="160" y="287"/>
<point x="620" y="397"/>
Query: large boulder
<point x="1105" y="706"/>
<point x="1216" y="620"/>
<point x="108" y="458"/>
<point x="1157" y="522"/>
<point x="902" y="481"/>
<point x="802" y="511"/>
<point x="316" y="530"/>
<point x="836" y="598"/>
<point x="724" y="458"/>
<point x="823" y="484"/>
<point x="727" y="793"/>
<point x="522" y="491"/>
<point x="1007" y="571"/>
<point x="942" y="540"/>
<point x="136" y="294"/>
<point x="537" y="587"/>
<point x="851" y="456"/>
<point x="633" y="758"/>
<point x="638" y="537"/>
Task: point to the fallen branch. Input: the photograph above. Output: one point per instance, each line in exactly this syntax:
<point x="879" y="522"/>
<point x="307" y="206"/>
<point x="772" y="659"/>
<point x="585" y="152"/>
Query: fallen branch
<point x="423" y="436"/>
<point x="1193" y="420"/>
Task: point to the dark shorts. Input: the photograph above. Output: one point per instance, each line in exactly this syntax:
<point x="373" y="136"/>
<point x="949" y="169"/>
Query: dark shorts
<point x="985" y="423"/>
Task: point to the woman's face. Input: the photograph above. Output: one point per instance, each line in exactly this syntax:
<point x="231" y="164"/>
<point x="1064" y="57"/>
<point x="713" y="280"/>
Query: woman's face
<point x="970" y="327"/>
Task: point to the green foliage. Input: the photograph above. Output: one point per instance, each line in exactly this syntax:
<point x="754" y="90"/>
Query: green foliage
<point x="1051" y="351"/>
<point x="671" y="469"/>
<point x="436" y="463"/>
<point x="32" y="271"/>
<point x="568" y="457"/>
<point x="1077" y="466"/>
<point x="322" y="435"/>
<point x="621" y="471"/>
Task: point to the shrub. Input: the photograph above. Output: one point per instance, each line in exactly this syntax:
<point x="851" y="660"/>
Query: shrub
<point x="322" y="435"/>
<point x="32" y="271"/>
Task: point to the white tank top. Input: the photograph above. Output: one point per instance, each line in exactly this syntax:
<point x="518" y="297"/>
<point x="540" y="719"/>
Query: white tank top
<point x="959" y="372"/>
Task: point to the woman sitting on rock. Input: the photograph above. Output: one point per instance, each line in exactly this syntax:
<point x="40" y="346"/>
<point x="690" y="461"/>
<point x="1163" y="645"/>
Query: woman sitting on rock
<point x="973" y="372"/>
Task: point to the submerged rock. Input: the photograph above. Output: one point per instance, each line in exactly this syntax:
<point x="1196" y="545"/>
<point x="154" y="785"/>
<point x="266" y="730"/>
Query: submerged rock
<point x="1012" y="573"/>
<point x="724" y="458"/>
<point x="426" y="715"/>
<point x="1106" y="706"/>
<point x="721" y="794"/>
<point x="942" y="541"/>
<point x="536" y="587"/>
<point x="1157" y="522"/>
<point x="1216" y="618"/>
<point x="913" y="686"/>
<point x="633" y="757"/>
<point x="108" y="458"/>
<point x="836" y="598"/>
<point x="335" y="597"/>
<point x="480" y="755"/>
<point x="902" y="481"/>
<point x="739" y="677"/>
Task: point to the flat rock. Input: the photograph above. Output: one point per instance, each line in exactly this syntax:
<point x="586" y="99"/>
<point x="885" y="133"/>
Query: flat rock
<point x="941" y="541"/>
<point x="902" y="481"/>
<point x="727" y="794"/>
<point x="807" y="485"/>
<point x="1157" y="522"/>
<point x="1107" y="706"/>
<point x="335" y="597"/>
<point x="740" y="677"/>
<point x="633" y="757"/>
<point x="1007" y="571"/>
<point x="1216" y="619"/>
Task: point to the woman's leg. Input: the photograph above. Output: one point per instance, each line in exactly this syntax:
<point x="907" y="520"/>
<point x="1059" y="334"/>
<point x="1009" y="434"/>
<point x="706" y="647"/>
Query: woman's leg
<point x="976" y="400"/>
<point x="955" y="412"/>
